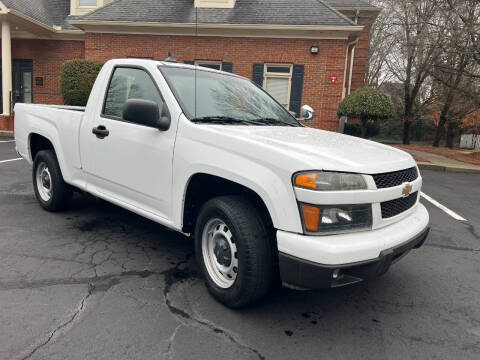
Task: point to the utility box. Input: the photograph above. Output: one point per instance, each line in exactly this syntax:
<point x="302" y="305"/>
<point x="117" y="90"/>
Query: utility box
<point x="470" y="141"/>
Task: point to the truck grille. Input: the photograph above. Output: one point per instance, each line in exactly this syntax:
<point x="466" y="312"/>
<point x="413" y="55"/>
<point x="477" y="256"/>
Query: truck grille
<point x="397" y="206"/>
<point x="395" y="178"/>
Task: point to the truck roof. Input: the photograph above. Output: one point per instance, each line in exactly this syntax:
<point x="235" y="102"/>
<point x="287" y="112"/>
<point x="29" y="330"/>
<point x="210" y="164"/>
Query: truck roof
<point x="139" y="62"/>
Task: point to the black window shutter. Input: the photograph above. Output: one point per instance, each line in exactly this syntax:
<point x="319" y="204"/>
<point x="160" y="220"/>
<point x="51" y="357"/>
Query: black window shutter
<point x="227" y="66"/>
<point x="189" y="62"/>
<point x="297" y="87"/>
<point x="257" y="76"/>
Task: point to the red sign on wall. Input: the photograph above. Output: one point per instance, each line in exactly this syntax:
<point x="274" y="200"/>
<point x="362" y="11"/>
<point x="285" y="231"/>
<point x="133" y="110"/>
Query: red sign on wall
<point x="333" y="79"/>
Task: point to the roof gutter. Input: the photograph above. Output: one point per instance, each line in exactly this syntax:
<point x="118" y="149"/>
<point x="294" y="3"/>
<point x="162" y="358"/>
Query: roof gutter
<point x="371" y="9"/>
<point x="80" y="23"/>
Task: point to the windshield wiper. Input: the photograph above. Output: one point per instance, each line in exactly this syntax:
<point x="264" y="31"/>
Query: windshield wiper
<point x="273" y="121"/>
<point x="225" y="120"/>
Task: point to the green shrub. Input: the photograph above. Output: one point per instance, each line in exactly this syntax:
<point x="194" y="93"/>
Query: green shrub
<point x="76" y="80"/>
<point x="368" y="104"/>
<point x="372" y="130"/>
<point x="355" y="129"/>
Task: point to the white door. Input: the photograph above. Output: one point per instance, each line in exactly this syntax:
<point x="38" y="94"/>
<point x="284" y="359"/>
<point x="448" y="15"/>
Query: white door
<point x="133" y="163"/>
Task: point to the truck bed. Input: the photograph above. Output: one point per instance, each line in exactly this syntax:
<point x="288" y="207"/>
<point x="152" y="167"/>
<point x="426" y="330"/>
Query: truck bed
<point x="59" y="123"/>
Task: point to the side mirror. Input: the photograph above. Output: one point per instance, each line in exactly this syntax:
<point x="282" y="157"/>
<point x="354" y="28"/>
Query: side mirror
<point x="145" y="112"/>
<point x="307" y="113"/>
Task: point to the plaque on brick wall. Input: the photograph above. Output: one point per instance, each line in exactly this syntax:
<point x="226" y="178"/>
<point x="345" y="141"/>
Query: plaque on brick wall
<point x="39" y="81"/>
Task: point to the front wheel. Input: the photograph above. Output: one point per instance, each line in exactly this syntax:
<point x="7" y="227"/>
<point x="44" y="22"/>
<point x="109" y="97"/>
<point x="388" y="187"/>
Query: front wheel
<point x="234" y="249"/>
<point x="51" y="191"/>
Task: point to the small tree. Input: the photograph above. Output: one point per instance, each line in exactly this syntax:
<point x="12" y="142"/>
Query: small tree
<point x="76" y="79"/>
<point x="368" y="104"/>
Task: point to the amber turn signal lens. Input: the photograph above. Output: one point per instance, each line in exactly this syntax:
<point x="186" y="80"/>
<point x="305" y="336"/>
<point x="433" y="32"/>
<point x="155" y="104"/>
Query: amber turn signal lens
<point x="311" y="217"/>
<point x="306" y="180"/>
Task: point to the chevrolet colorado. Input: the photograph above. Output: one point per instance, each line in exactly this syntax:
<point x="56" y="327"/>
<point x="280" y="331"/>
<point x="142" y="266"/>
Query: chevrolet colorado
<point x="212" y="155"/>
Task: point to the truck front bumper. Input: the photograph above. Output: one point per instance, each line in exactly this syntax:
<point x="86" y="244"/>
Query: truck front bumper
<point x="336" y="260"/>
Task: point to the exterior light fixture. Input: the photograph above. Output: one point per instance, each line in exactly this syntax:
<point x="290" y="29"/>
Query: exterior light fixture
<point x="170" y="58"/>
<point x="314" y="50"/>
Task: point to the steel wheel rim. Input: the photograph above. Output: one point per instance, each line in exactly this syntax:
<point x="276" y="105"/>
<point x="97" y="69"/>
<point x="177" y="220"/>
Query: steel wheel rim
<point x="220" y="253"/>
<point x="44" y="182"/>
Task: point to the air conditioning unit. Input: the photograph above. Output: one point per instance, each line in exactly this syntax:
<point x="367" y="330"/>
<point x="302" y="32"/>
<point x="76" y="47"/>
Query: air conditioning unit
<point x="223" y="4"/>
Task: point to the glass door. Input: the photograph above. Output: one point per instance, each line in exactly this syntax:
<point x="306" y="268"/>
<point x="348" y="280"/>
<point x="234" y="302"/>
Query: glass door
<point x="22" y="81"/>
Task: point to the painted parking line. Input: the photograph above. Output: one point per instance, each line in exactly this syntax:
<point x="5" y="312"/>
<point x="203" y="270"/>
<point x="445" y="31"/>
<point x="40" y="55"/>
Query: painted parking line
<point x="7" y="141"/>
<point x="10" y="160"/>
<point x="442" y="207"/>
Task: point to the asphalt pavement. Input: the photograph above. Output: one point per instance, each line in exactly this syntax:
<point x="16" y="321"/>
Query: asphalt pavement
<point x="98" y="282"/>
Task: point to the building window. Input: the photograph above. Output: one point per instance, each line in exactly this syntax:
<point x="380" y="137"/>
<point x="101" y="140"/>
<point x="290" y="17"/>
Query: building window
<point x="216" y="65"/>
<point x="277" y="81"/>
<point x="87" y="3"/>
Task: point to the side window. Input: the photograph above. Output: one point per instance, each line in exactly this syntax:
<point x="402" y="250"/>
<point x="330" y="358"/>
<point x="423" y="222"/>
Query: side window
<point x="129" y="83"/>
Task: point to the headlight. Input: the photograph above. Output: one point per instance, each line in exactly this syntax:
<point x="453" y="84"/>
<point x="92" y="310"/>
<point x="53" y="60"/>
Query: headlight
<point x="330" y="181"/>
<point x="322" y="219"/>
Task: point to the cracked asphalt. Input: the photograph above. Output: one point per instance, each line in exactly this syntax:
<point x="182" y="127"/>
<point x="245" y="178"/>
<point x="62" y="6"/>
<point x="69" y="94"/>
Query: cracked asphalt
<point x="98" y="282"/>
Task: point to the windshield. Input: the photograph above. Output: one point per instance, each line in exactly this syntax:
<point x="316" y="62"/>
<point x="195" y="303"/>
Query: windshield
<point x="225" y="99"/>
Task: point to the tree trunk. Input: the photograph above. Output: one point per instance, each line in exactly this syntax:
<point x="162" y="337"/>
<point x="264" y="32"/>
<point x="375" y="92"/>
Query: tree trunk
<point x="438" y="132"/>
<point x="406" y="129"/>
<point x="364" y="127"/>
<point x="451" y="129"/>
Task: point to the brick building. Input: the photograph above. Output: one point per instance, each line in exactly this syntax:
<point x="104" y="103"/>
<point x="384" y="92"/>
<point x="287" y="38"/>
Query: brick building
<point x="303" y="52"/>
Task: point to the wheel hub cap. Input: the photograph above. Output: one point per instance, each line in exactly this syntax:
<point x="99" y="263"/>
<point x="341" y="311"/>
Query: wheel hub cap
<point x="220" y="253"/>
<point x="44" y="182"/>
<point x="46" y="179"/>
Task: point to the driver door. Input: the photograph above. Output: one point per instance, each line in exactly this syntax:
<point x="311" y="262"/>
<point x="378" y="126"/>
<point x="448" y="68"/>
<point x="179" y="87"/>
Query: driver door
<point x="132" y="163"/>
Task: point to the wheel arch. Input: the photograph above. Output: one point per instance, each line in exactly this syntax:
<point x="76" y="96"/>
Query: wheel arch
<point x="202" y="187"/>
<point x="38" y="141"/>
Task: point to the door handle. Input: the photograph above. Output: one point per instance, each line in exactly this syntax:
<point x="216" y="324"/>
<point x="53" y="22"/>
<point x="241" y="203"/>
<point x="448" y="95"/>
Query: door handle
<point x="100" y="131"/>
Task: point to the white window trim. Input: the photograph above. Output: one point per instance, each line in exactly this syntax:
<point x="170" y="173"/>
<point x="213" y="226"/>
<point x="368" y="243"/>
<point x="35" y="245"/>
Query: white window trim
<point x="270" y="75"/>
<point x="208" y="62"/>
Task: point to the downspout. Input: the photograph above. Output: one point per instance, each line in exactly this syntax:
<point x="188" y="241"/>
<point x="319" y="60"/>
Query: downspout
<point x="344" y="119"/>
<point x="344" y="91"/>
<point x="353" y="56"/>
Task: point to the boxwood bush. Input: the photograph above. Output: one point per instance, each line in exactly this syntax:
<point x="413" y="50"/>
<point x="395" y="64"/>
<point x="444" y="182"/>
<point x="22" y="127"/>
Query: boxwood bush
<point x="76" y="80"/>
<point x="368" y="104"/>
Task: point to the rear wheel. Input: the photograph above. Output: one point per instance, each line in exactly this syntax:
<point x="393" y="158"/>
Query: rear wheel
<point x="234" y="249"/>
<point x="51" y="191"/>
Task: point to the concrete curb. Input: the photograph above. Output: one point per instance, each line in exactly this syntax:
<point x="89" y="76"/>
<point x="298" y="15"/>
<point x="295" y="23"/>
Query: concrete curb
<point x="6" y="133"/>
<point x="436" y="167"/>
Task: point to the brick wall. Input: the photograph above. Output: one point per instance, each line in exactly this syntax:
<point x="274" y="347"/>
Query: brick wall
<point x="48" y="57"/>
<point x="243" y="53"/>
<point x="5" y="123"/>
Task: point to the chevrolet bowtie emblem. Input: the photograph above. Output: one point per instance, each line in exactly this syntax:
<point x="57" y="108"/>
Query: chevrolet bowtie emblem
<point x="407" y="190"/>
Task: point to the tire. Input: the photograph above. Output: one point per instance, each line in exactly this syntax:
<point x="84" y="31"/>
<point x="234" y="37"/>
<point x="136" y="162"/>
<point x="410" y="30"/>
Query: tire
<point x="234" y="220"/>
<point x="51" y="191"/>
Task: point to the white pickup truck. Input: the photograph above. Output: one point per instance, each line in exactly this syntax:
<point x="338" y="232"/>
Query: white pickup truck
<point x="211" y="154"/>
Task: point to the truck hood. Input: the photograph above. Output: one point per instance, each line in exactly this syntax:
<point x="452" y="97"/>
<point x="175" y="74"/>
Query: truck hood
<point x="313" y="149"/>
